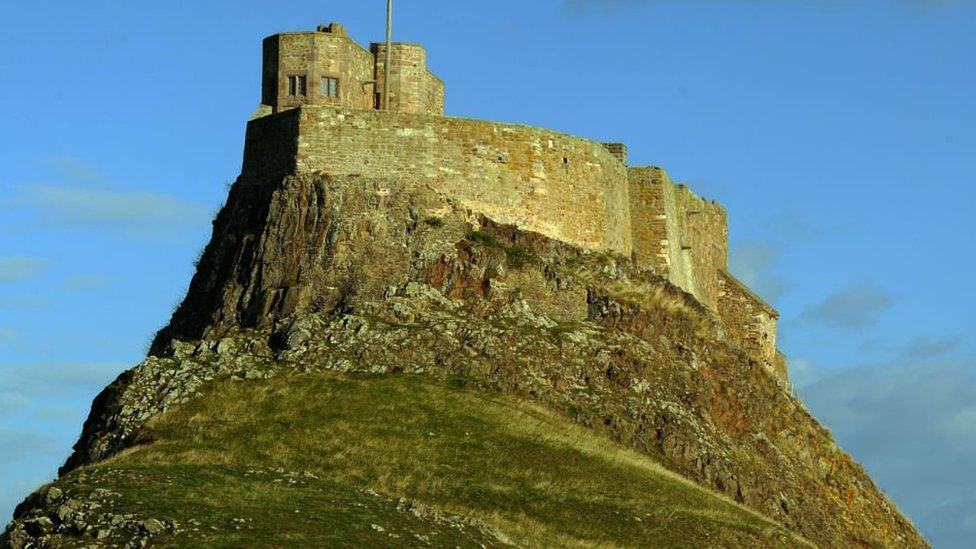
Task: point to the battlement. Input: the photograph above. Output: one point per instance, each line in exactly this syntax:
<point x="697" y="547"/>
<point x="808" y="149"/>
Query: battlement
<point x="576" y="190"/>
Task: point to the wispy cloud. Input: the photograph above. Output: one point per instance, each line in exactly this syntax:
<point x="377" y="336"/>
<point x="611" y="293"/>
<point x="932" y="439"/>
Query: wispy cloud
<point x="960" y="423"/>
<point x="75" y="170"/>
<point x="855" y="307"/>
<point x="15" y="269"/>
<point x="929" y="348"/>
<point x="84" y="282"/>
<point x="18" y="445"/>
<point x="24" y="302"/>
<point x="131" y="211"/>
<point x="577" y="6"/>
<point x="57" y="378"/>
<point x="754" y="263"/>
<point x="10" y="401"/>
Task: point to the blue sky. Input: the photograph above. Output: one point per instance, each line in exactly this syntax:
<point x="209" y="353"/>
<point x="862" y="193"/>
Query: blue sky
<point x="838" y="134"/>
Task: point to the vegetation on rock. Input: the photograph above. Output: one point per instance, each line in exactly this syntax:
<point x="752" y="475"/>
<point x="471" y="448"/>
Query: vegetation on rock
<point x="322" y="274"/>
<point x="330" y="459"/>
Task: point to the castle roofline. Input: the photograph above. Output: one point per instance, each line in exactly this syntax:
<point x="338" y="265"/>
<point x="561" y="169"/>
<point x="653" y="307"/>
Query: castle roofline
<point x="514" y="125"/>
<point x="342" y="36"/>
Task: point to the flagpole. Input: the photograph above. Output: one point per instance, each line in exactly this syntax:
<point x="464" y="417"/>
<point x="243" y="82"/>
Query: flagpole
<point x="389" y="54"/>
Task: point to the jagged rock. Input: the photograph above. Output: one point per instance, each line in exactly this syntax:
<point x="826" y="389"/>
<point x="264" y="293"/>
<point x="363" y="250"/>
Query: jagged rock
<point x="53" y="495"/>
<point x="151" y="527"/>
<point x="316" y="274"/>
<point x="40" y="526"/>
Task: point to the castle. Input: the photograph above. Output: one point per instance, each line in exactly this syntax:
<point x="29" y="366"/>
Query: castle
<point x="322" y="110"/>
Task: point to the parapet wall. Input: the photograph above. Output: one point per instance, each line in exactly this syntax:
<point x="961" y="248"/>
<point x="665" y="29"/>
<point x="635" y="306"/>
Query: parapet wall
<point x="564" y="187"/>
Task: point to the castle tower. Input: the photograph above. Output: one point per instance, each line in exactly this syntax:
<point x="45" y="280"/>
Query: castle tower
<point x="326" y="67"/>
<point x="413" y="88"/>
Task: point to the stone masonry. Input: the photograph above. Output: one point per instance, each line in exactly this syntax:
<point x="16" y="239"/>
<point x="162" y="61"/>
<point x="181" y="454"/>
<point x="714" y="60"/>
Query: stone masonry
<point x="326" y="67"/>
<point x="568" y="188"/>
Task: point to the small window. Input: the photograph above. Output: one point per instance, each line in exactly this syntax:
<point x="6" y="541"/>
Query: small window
<point x="330" y="87"/>
<point x="297" y="85"/>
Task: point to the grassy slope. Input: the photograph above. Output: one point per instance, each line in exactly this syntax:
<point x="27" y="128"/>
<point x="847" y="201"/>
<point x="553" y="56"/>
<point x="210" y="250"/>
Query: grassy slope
<point x="532" y="477"/>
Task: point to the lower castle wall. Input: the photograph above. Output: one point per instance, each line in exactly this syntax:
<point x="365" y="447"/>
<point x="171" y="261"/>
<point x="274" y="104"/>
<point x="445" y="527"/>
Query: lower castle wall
<point x="750" y="319"/>
<point x="564" y="187"/>
<point x="270" y="146"/>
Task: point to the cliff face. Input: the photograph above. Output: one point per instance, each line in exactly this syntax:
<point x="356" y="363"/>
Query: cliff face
<point x="322" y="273"/>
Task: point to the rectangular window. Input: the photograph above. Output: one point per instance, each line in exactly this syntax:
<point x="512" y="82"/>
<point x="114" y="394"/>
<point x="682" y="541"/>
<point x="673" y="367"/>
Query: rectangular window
<point x="297" y="85"/>
<point x="330" y="87"/>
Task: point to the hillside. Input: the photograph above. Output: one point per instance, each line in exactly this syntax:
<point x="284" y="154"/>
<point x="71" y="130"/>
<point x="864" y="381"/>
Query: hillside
<point x="317" y="274"/>
<point x="316" y="460"/>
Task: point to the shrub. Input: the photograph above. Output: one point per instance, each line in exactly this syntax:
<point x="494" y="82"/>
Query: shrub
<point x="434" y="222"/>
<point x="519" y="256"/>
<point x="483" y="238"/>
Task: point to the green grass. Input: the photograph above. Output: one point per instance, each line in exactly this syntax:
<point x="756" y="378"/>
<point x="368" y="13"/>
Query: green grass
<point x="531" y="476"/>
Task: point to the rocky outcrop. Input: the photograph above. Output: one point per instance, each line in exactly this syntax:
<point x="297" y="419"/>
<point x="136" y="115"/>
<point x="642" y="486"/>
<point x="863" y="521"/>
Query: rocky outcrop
<point x="52" y="516"/>
<point x="72" y="514"/>
<point x="324" y="273"/>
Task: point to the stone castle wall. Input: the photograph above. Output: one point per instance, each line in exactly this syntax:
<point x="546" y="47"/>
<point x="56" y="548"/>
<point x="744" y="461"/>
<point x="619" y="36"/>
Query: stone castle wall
<point x="360" y="73"/>
<point x="702" y="243"/>
<point x="412" y="87"/>
<point x="316" y="55"/>
<point x="567" y="188"/>
<point x="752" y="321"/>
<point x="682" y="235"/>
<point x="564" y="187"/>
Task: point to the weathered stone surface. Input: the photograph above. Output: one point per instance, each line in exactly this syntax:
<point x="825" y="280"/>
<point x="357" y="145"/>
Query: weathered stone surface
<point x="329" y="278"/>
